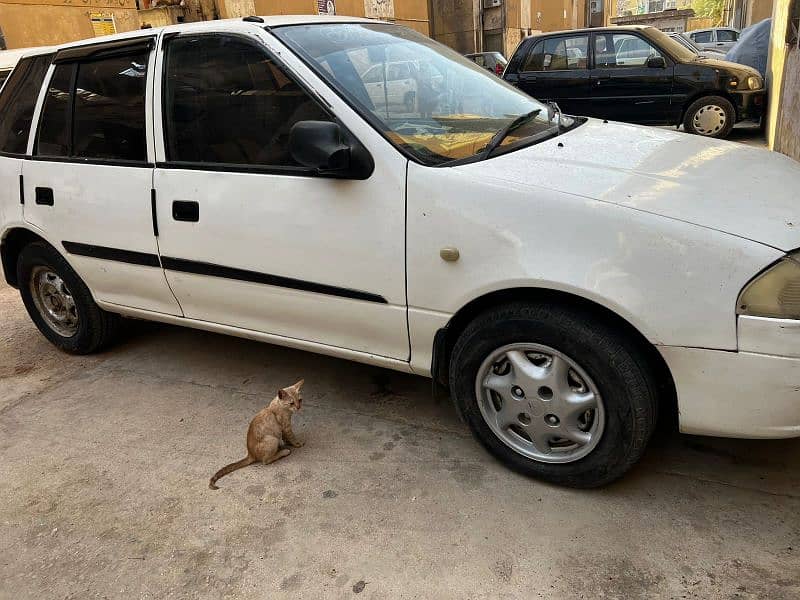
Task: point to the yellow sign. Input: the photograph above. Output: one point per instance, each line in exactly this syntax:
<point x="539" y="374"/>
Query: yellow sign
<point x="103" y="23"/>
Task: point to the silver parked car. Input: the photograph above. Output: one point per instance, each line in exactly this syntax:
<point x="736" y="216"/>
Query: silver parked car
<point x="696" y="48"/>
<point x="721" y="38"/>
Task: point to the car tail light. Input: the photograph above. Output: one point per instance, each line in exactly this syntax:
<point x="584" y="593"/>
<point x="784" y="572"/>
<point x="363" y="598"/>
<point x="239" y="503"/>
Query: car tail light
<point x="498" y="69"/>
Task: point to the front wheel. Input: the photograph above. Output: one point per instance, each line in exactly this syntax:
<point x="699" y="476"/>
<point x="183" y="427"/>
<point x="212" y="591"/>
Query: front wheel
<point x="710" y="116"/>
<point x="554" y="392"/>
<point x="60" y="304"/>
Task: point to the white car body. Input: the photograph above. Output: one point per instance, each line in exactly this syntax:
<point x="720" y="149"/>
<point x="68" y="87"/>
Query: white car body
<point x="716" y="38"/>
<point x="660" y="228"/>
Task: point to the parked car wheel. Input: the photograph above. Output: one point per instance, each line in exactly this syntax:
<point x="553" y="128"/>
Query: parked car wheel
<point x="60" y="304"/>
<point x="554" y="393"/>
<point x="710" y="116"/>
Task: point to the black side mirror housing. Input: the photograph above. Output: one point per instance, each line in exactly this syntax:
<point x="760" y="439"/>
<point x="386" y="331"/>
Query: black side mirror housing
<point x="656" y="62"/>
<point x="322" y="145"/>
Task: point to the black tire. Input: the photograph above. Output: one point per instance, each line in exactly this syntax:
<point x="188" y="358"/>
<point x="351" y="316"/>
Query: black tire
<point x="613" y="361"/>
<point x="96" y="328"/>
<point x="702" y="104"/>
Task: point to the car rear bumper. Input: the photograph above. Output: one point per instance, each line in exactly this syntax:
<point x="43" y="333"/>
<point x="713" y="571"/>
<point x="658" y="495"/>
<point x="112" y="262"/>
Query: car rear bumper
<point x="735" y="394"/>
<point x="750" y="105"/>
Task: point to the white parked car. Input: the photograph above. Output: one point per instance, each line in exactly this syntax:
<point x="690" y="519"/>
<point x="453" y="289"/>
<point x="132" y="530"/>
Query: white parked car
<point x="568" y="279"/>
<point x="8" y="60"/>
<point x="717" y="38"/>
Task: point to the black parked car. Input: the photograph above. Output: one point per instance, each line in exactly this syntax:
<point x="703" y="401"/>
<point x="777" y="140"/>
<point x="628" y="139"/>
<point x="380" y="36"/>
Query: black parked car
<point x="636" y="74"/>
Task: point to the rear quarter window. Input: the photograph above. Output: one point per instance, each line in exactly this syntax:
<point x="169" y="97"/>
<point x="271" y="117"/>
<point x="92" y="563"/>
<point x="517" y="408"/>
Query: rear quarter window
<point x="18" y="100"/>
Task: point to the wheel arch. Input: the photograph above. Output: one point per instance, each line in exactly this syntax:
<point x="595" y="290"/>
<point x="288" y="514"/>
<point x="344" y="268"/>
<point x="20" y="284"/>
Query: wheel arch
<point x="13" y="241"/>
<point x="445" y="338"/>
<point x="708" y="92"/>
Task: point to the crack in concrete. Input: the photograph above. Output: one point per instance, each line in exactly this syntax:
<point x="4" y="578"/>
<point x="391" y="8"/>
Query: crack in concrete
<point x="727" y="484"/>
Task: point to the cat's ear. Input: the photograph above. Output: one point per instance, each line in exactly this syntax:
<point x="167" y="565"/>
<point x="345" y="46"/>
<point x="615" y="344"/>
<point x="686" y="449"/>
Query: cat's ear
<point x="299" y="384"/>
<point x="282" y="394"/>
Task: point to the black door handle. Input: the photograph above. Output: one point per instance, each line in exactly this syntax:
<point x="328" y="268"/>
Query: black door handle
<point x="183" y="210"/>
<point x="44" y="196"/>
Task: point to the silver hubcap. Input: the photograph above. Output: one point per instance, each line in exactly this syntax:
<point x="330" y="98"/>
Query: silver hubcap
<point x="709" y="119"/>
<point x="54" y="301"/>
<point x="540" y="403"/>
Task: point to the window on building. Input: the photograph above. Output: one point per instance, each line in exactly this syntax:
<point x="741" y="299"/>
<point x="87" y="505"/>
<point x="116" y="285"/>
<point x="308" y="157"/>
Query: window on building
<point x="793" y="28"/>
<point x="559" y="54"/>
<point x="622" y="50"/>
<point x="109" y="109"/>
<point x="228" y="102"/>
<point x="18" y="100"/>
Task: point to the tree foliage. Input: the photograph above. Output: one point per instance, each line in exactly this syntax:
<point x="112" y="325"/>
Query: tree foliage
<point x="711" y="9"/>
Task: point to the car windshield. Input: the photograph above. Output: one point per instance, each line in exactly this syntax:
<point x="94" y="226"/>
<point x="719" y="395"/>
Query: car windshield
<point x="673" y="47"/>
<point x="428" y="100"/>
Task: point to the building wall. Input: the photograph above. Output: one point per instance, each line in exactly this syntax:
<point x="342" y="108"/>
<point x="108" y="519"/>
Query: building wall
<point x="456" y="24"/>
<point x="28" y="23"/>
<point x="411" y="13"/>
<point x="758" y="10"/>
<point x="783" y="77"/>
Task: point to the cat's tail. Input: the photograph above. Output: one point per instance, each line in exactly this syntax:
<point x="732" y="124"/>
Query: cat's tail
<point x="229" y="469"/>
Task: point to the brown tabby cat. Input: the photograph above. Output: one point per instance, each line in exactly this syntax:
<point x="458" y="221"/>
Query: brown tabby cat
<point x="267" y="429"/>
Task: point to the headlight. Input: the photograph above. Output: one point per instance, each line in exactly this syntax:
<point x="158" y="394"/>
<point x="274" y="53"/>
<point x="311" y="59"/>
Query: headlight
<point x="754" y="82"/>
<point x="774" y="293"/>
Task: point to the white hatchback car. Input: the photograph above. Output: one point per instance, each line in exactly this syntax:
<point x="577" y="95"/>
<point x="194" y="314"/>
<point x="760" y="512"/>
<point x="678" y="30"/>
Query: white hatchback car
<point x="568" y="279"/>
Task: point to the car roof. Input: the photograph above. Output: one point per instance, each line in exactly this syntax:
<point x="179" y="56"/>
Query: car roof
<point x="592" y="30"/>
<point x="217" y="25"/>
<point x="9" y="58"/>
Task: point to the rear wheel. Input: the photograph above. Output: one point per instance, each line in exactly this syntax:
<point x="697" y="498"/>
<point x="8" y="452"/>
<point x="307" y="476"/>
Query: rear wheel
<point x="710" y="116"/>
<point x="60" y="304"/>
<point x="554" y="392"/>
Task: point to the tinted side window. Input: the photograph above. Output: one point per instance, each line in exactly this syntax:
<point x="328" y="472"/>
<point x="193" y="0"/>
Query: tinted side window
<point x="54" y="125"/>
<point x="109" y="109"/>
<point x="726" y="35"/>
<point x="702" y="37"/>
<point x="226" y="101"/>
<point x="622" y="50"/>
<point x="4" y="75"/>
<point x="559" y="54"/>
<point x="18" y="101"/>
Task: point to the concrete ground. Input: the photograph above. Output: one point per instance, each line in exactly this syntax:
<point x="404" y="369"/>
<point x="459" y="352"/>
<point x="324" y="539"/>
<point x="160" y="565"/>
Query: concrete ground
<point x="746" y="133"/>
<point x="106" y="459"/>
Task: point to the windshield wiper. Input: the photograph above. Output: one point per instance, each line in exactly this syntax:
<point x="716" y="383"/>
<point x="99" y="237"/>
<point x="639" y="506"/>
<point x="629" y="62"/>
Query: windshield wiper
<point x="498" y="137"/>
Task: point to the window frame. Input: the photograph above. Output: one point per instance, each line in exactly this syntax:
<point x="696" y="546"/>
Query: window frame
<point x="87" y="53"/>
<point x="159" y="117"/>
<point x="36" y="104"/>
<point x="668" y="58"/>
<point x="544" y="39"/>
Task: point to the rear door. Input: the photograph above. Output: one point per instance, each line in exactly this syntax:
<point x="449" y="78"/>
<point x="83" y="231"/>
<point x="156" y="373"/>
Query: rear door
<point x="88" y="185"/>
<point x="557" y="69"/>
<point x="623" y="87"/>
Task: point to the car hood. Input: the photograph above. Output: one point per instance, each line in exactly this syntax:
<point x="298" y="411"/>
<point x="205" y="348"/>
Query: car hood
<point x="726" y="66"/>
<point x="744" y="191"/>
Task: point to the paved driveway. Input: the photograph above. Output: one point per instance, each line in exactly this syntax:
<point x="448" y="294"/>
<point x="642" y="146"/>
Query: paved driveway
<point x="106" y="460"/>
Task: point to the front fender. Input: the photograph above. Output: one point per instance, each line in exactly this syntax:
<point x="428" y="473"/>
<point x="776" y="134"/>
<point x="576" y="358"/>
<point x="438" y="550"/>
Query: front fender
<point x="675" y="282"/>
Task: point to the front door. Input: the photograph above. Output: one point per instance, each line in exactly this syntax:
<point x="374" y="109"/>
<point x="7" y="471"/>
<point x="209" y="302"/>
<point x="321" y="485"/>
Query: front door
<point x="557" y="69"/>
<point x="251" y="239"/>
<point x="624" y="88"/>
<point x="88" y="185"/>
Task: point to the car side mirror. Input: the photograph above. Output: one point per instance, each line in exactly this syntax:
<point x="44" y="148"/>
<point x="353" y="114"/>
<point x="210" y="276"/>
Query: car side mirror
<point x="322" y="145"/>
<point x="656" y="62"/>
